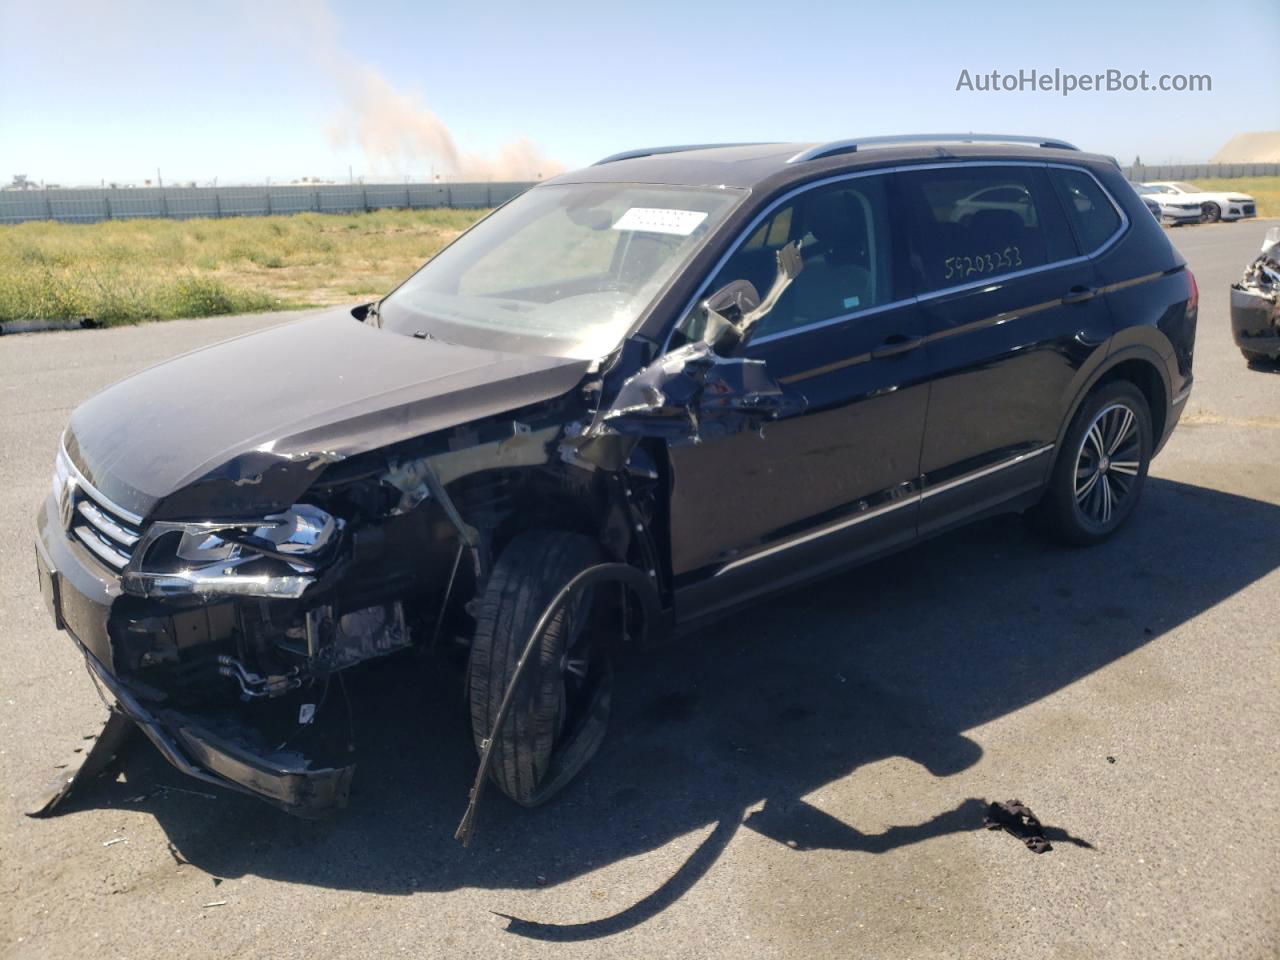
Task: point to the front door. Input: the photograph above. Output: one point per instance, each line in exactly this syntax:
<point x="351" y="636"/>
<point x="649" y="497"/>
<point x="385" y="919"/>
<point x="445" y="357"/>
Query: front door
<point x="834" y="481"/>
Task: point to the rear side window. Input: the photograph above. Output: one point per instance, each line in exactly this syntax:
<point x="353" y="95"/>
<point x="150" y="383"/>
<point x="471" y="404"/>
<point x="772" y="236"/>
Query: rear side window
<point x="972" y="223"/>
<point x="1090" y="210"/>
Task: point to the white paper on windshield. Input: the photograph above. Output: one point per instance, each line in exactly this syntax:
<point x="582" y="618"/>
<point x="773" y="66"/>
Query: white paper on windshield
<point x="657" y="220"/>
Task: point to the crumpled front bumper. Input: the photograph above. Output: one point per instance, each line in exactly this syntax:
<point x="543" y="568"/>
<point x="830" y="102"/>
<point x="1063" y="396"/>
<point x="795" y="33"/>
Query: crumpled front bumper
<point x="80" y="601"/>
<point x="286" y="780"/>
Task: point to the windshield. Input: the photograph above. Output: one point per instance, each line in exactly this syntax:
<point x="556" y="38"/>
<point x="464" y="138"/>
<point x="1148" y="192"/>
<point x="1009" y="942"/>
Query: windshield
<point x="1142" y="188"/>
<point x="562" y="270"/>
<point x="1186" y="187"/>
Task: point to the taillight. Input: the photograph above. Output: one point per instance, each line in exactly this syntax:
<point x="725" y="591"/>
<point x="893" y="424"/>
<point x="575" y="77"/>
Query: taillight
<point x="1193" y="294"/>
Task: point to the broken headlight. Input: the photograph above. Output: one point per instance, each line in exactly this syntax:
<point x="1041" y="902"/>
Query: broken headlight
<point x="300" y="531"/>
<point x="276" y="556"/>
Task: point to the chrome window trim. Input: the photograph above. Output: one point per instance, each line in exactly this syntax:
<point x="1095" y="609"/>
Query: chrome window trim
<point x="94" y="492"/>
<point x="781" y="334"/>
<point x="984" y="472"/>
<point x="759" y="218"/>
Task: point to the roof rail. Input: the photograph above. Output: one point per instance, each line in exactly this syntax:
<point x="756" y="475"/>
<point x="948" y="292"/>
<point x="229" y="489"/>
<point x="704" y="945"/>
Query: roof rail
<point x="654" y="151"/>
<point x="852" y="146"/>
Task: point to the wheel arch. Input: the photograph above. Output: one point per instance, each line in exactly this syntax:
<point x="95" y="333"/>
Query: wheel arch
<point x="1142" y="366"/>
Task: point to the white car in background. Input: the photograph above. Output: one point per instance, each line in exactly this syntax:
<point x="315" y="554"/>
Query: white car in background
<point x="1213" y="206"/>
<point x="1173" y="209"/>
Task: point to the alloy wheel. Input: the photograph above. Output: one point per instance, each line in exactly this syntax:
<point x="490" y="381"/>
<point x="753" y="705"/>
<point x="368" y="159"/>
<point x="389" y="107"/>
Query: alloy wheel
<point x="1108" y="464"/>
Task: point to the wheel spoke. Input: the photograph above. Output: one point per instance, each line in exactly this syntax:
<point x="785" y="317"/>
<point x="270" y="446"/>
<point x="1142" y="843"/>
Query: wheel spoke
<point x="1095" y="438"/>
<point x="1127" y="467"/>
<point x="1105" y="483"/>
<point x="576" y="667"/>
<point x="1126" y="425"/>
<point x="1082" y="492"/>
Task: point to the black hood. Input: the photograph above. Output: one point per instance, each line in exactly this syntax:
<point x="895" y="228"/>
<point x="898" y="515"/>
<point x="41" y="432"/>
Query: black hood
<point x="279" y="404"/>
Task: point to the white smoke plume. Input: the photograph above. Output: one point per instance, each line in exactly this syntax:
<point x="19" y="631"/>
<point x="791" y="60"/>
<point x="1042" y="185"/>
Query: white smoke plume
<point x="399" y="134"/>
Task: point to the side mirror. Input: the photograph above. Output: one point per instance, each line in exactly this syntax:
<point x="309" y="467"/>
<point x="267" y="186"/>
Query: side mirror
<point x="733" y="310"/>
<point x="727" y="310"/>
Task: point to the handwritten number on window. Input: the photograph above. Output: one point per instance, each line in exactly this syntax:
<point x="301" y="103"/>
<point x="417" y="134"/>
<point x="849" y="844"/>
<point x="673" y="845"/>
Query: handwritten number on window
<point x="982" y="264"/>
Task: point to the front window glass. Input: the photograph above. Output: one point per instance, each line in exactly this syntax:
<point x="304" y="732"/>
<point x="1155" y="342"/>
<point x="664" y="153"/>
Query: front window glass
<point x="842" y="231"/>
<point x="563" y="270"/>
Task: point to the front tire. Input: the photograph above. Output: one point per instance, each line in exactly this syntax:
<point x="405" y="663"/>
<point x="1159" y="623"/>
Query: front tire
<point x="1210" y="213"/>
<point x="1101" y="469"/>
<point x="561" y="708"/>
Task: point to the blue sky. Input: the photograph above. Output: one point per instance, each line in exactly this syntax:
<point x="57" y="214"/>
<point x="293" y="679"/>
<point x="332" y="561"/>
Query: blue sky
<point x="243" y="91"/>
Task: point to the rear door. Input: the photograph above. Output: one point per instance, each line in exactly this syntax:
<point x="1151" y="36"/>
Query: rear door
<point x="1012" y="312"/>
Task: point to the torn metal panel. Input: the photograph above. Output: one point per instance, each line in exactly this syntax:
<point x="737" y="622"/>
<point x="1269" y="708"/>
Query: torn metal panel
<point x="690" y="395"/>
<point x="115" y="737"/>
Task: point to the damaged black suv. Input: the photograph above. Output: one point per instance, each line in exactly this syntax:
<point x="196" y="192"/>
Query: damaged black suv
<point x="633" y="398"/>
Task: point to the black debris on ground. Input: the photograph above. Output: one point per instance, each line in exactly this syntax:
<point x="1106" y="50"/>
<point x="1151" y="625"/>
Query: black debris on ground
<point x="1016" y="818"/>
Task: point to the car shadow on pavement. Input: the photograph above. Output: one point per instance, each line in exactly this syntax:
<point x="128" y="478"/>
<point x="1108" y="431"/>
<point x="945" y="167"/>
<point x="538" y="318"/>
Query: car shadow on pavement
<point x="734" y="726"/>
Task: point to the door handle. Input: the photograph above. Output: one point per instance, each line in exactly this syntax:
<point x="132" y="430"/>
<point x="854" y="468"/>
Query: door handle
<point x="898" y="343"/>
<point x="1079" y="294"/>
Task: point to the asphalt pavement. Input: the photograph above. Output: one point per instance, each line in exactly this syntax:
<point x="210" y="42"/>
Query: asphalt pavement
<point x="806" y="779"/>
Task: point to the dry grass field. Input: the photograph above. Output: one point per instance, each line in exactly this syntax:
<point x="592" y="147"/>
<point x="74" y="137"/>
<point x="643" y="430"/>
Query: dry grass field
<point x="126" y="271"/>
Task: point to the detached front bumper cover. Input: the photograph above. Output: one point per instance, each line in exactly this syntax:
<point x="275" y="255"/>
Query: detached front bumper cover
<point x="286" y="780"/>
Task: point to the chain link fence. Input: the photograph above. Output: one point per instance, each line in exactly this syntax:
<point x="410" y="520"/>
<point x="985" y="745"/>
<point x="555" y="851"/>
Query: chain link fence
<point x="94" y="204"/>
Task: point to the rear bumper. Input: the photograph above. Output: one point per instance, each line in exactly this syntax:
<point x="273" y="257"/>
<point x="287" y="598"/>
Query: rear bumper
<point x="80" y="602"/>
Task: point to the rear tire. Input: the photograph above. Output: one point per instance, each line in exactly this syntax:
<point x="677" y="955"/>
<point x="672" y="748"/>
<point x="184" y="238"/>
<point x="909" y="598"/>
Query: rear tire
<point x="1101" y="469"/>
<point x="561" y="708"/>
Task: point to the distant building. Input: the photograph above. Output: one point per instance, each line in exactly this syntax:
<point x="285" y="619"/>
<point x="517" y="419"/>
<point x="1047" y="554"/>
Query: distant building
<point x="1260" y="147"/>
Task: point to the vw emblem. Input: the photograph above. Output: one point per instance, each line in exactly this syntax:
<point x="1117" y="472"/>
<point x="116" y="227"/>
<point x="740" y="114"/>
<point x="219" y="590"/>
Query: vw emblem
<point x="67" y="503"/>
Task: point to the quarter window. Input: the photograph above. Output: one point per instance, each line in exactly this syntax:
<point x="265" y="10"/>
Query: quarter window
<point x="978" y="222"/>
<point x="1089" y="209"/>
